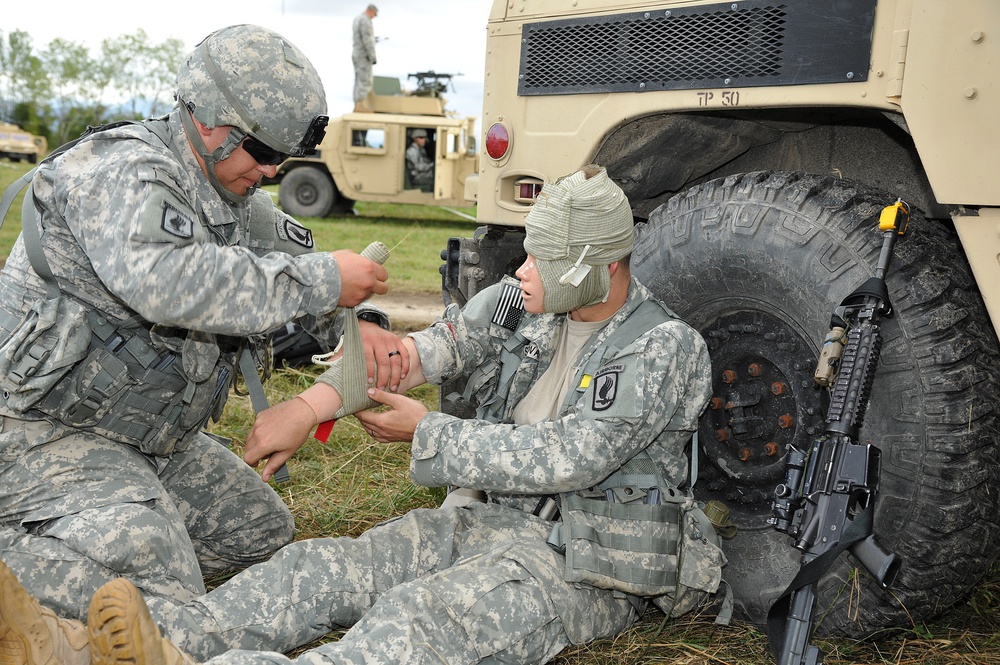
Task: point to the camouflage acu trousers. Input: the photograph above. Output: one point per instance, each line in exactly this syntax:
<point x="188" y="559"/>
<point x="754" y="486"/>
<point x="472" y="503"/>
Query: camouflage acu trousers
<point x="78" y="510"/>
<point x="454" y="585"/>
<point x="363" y="77"/>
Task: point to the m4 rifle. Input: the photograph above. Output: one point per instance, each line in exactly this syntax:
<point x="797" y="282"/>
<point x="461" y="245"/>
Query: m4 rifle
<point x="826" y="503"/>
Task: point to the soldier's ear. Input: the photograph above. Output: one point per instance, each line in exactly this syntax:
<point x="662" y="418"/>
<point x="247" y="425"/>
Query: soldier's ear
<point x="203" y="131"/>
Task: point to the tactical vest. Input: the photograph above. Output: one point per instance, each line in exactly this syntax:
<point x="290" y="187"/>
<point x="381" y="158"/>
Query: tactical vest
<point x="632" y="532"/>
<point x="67" y="361"/>
<point x="495" y="407"/>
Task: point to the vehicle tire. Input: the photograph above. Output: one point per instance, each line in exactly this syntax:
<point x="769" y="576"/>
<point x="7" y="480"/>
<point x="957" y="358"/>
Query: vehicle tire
<point x="307" y="191"/>
<point x="342" y="207"/>
<point x="757" y="262"/>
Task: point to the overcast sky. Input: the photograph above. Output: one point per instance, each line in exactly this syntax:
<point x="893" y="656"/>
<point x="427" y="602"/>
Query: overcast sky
<point x="415" y="35"/>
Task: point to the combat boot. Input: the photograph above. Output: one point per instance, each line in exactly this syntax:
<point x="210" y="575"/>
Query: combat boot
<point x="122" y="632"/>
<point x="33" y="635"/>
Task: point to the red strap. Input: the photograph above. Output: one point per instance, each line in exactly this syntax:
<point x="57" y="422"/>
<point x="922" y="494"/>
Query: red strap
<point x="323" y="430"/>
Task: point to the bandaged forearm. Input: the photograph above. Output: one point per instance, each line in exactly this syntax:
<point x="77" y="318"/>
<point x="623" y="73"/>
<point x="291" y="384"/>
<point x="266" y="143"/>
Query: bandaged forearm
<point x="348" y="375"/>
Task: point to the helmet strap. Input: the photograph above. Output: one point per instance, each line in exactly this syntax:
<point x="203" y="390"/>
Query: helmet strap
<point x="214" y="157"/>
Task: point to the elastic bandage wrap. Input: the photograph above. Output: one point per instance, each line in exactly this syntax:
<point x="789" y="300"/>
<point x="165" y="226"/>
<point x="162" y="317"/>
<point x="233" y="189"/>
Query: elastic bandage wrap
<point x="578" y="225"/>
<point x="349" y="374"/>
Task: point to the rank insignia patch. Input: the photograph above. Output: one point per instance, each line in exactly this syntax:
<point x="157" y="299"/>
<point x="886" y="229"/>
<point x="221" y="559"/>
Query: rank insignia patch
<point x="299" y="234"/>
<point x="176" y="223"/>
<point x="606" y="387"/>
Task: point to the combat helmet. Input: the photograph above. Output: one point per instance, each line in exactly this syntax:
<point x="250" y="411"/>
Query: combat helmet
<point x="257" y="81"/>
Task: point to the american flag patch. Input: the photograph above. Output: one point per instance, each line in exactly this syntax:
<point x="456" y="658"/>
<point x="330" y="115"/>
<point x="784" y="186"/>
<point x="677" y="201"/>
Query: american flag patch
<point x="510" y="306"/>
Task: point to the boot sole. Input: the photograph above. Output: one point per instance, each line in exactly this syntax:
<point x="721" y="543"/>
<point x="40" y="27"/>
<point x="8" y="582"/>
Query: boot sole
<point x="118" y="625"/>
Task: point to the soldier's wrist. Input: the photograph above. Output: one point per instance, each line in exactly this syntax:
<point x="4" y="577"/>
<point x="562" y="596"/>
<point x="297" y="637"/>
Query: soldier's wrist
<point x="322" y="400"/>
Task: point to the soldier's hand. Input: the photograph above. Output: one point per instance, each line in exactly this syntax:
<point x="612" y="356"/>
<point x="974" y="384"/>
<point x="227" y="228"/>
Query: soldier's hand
<point x="395" y="425"/>
<point x="277" y="433"/>
<point x="384" y="350"/>
<point x="359" y="278"/>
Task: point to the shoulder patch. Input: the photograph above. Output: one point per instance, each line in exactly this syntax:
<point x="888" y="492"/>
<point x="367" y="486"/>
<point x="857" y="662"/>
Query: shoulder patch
<point x="298" y="233"/>
<point x="510" y="305"/>
<point x="176" y="223"/>
<point x="606" y="386"/>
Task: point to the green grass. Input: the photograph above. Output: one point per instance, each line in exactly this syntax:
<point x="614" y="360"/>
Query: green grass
<point x="415" y="235"/>
<point x="415" y="244"/>
<point x="353" y="482"/>
<point x="9" y="172"/>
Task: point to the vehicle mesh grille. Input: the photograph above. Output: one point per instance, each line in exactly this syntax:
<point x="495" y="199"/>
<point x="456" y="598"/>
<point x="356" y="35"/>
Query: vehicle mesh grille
<point x="727" y="44"/>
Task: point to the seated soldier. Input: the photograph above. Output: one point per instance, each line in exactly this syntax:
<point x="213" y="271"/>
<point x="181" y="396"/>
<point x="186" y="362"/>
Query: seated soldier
<point x="419" y="166"/>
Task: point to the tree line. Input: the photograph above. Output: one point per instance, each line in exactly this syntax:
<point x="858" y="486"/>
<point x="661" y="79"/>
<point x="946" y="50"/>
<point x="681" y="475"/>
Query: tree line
<point x="61" y="89"/>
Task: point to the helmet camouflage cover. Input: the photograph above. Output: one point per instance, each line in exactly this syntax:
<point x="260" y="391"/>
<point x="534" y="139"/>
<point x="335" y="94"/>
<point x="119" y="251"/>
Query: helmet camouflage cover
<point x="256" y="80"/>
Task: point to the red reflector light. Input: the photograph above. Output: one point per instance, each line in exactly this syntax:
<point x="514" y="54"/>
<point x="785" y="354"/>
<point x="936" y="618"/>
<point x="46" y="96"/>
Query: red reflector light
<point x="526" y="190"/>
<point x="497" y="141"/>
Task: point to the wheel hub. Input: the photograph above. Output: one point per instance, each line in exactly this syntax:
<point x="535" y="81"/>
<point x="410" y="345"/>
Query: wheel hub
<point x="306" y="194"/>
<point x="763" y="400"/>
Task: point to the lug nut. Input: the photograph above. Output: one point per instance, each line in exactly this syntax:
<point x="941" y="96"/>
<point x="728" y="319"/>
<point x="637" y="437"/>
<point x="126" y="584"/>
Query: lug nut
<point x="745" y="454"/>
<point x="785" y="421"/>
<point x="770" y="448"/>
<point x="728" y="376"/>
<point x="754" y="369"/>
<point x="722" y="434"/>
<point x="777" y="388"/>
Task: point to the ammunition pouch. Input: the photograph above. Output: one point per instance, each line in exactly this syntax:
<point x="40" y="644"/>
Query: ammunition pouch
<point x="637" y="534"/>
<point x="71" y="364"/>
<point x="42" y="348"/>
<point x="630" y="547"/>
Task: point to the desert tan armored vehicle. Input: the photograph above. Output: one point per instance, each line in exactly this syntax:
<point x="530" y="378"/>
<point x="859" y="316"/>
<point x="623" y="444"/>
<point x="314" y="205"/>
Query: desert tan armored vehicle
<point x="363" y="157"/>
<point x="17" y="144"/>
<point x="757" y="141"/>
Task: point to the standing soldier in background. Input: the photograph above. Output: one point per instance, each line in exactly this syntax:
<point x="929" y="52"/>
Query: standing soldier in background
<point x="363" y="56"/>
<point x="148" y="259"/>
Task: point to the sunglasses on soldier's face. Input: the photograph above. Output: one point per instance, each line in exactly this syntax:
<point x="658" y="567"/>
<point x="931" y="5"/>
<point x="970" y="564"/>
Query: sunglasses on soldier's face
<point x="263" y="154"/>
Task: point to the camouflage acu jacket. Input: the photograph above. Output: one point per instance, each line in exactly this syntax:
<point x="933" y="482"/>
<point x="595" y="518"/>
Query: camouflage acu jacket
<point x="645" y="396"/>
<point x="132" y="228"/>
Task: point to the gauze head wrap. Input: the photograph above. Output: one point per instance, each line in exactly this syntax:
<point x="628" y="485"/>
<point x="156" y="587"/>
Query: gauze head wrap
<point x="578" y="225"/>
